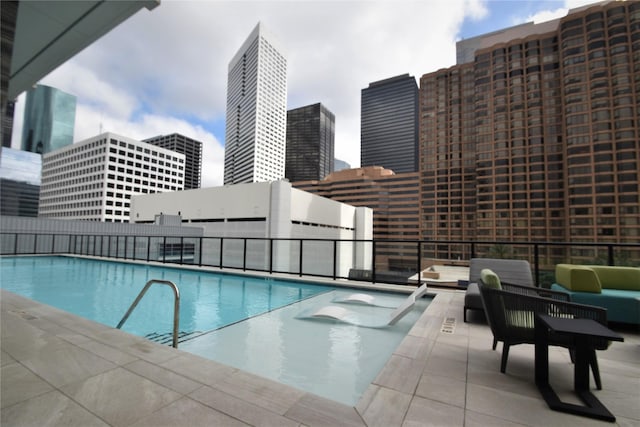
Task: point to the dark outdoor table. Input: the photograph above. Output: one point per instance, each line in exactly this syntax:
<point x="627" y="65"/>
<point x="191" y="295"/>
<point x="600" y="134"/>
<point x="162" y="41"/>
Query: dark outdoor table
<point x="583" y="331"/>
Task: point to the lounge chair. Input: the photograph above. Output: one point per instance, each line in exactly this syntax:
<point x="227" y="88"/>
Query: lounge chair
<point x="511" y="316"/>
<point x="368" y="299"/>
<point x="349" y="316"/>
<point x="513" y="271"/>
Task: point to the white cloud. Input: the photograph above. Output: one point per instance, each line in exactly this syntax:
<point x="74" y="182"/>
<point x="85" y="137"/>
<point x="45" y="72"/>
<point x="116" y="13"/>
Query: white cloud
<point x="551" y="14"/>
<point x="476" y="9"/>
<point x="90" y="86"/>
<point x="165" y="70"/>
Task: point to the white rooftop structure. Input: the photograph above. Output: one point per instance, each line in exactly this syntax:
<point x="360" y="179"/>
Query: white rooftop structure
<point x="267" y="210"/>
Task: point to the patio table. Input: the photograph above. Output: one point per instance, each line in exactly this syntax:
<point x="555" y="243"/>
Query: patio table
<point x="583" y="331"/>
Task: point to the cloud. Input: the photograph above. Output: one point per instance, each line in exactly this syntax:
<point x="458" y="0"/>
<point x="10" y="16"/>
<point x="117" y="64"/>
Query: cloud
<point x="476" y="9"/>
<point x="90" y="87"/>
<point x="551" y="14"/>
<point x="165" y="70"/>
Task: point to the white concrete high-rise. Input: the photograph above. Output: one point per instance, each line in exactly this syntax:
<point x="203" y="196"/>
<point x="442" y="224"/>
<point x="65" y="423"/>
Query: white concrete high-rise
<point x="255" y="141"/>
<point x="94" y="179"/>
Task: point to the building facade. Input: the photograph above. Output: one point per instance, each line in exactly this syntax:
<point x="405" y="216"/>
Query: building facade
<point x="268" y="210"/>
<point x="19" y="182"/>
<point x="192" y="151"/>
<point x="389" y="124"/>
<point x="538" y="137"/>
<point x="310" y="143"/>
<point x="49" y="119"/>
<point x="394" y="199"/>
<point x="94" y="179"/>
<point x="255" y="138"/>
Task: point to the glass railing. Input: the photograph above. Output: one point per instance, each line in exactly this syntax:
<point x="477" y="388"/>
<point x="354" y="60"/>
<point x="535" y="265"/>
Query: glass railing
<point x="388" y="261"/>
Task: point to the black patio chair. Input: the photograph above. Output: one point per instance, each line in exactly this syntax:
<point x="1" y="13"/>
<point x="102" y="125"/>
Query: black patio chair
<point x="511" y="315"/>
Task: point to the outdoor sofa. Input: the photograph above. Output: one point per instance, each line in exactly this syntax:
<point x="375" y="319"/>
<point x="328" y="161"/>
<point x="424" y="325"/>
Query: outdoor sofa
<point x="615" y="288"/>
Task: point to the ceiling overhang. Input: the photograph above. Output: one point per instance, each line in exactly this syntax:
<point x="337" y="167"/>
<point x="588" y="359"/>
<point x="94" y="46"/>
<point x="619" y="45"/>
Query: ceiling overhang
<point x="48" y="33"/>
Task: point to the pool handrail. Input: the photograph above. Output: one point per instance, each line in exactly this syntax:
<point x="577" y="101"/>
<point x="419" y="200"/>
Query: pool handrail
<point x="176" y="306"/>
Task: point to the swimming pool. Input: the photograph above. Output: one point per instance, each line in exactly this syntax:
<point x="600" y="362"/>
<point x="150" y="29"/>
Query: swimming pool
<point x="249" y="323"/>
<point x="103" y="291"/>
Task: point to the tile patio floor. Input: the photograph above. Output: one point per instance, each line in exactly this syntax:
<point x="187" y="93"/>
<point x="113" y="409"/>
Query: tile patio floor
<point x="60" y="370"/>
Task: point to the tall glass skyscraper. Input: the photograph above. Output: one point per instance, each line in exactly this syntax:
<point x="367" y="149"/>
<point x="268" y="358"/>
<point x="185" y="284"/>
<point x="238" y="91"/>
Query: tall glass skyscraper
<point x="255" y="141"/>
<point x="310" y="143"/>
<point x="49" y="119"/>
<point x="389" y="124"/>
<point x="20" y="178"/>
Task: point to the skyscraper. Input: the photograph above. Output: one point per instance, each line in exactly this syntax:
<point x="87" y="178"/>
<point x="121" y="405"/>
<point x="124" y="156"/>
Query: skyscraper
<point x="192" y="151"/>
<point x="537" y="138"/>
<point x="310" y="143"/>
<point x="49" y="119"/>
<point x="255" y="140"/>
<point x="19" y="182"/>
<point x="339" y="165"/>
<point x="389" y="124"/>
<point x="94" y="179"/>
<point x="393" y="197"/>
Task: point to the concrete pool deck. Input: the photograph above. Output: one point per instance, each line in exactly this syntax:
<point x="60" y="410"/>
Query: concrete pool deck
<point x="59" y="369"/>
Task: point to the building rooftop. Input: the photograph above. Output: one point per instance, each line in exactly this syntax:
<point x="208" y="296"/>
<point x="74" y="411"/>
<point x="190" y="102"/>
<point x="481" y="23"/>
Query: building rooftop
<point x="59" y="368"/>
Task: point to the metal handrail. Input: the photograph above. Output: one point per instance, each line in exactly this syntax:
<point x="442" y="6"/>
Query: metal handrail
<point x="176" y="306"/>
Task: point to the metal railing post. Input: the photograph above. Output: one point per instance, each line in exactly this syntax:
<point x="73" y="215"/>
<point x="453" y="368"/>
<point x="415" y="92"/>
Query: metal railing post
<point x="53" y="243"/>
<point x="148" y="248"/>
<point x="244" y="254"/>
<point x="373" y="261"/>
<point x="610" y="254"/>
<point x="536" y="263"/>
<point x="335" y="258"/>
<point x="221" y="249"/>
<point x="300" y="258"/>
<point x="200" y="252"/>
<point x="270" y="255"/>
<point x="35" y="243"/>
<point x="419" y="264"/>
<point x="164" y="249"/>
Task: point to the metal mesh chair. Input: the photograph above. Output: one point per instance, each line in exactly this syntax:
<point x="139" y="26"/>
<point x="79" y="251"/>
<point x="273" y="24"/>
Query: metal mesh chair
<point x="511" y="315"/>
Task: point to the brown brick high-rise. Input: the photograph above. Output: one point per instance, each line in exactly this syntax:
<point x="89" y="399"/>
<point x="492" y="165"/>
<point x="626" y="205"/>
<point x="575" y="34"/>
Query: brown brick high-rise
<point x="537" y="138"/>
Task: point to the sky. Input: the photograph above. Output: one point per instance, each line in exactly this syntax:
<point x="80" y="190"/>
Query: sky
<point x="165" y="71"/>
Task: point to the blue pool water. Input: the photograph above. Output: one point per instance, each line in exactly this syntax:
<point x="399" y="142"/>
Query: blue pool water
<point x="248" y="323"/>
<point x="103" y="291"/>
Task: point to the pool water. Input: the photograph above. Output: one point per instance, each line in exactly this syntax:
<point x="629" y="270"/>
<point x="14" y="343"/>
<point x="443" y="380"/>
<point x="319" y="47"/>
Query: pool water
<point x="103" y="291"/>
<point x="249" y="323"/>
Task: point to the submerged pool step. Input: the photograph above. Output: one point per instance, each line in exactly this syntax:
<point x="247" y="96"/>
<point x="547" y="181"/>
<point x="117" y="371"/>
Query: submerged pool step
<point x="167" y="337"/>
